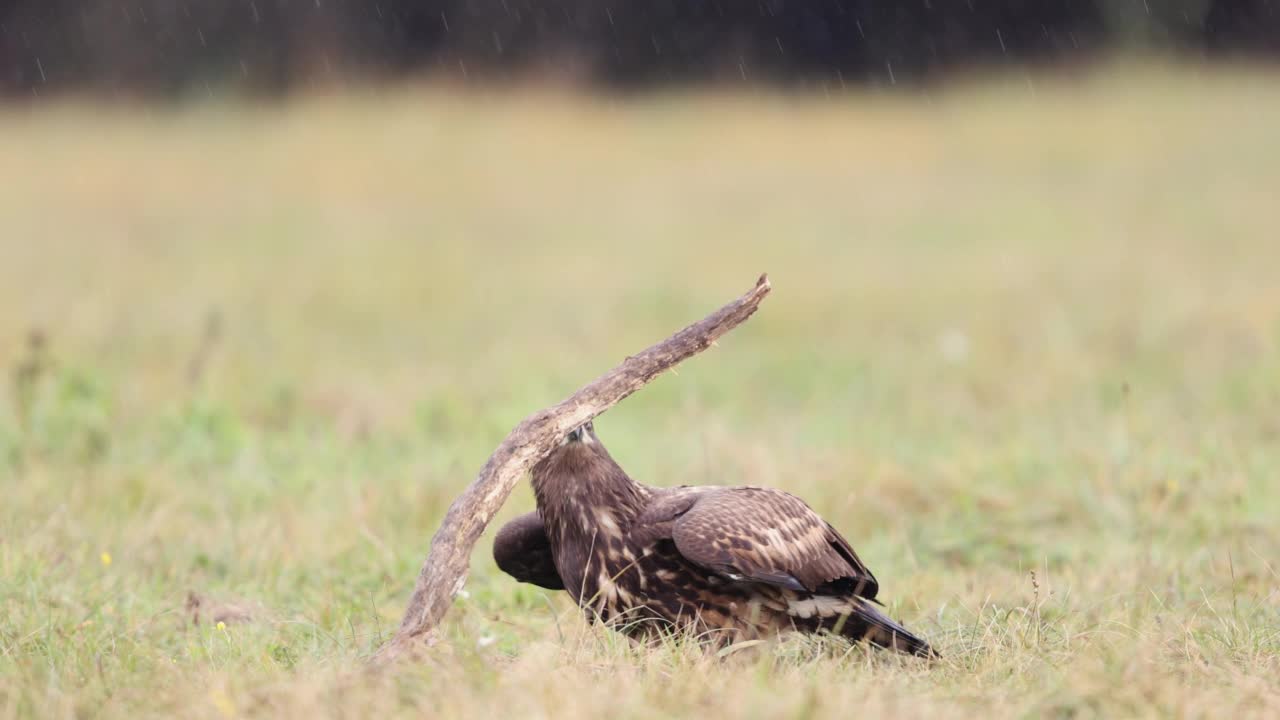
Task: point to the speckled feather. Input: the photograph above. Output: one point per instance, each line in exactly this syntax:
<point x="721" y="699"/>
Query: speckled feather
<point x="732" y="562"/>
<point x="768" y="536"/>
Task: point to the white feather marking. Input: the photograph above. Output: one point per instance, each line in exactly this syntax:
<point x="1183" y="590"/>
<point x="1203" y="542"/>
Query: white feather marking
<point x="606" y="588"/>
<point x="605" y="518"/>
<point x="820" y="605"/>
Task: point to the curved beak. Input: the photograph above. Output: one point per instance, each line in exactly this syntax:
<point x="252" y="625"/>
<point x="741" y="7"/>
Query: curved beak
<point x="580" y="434"/>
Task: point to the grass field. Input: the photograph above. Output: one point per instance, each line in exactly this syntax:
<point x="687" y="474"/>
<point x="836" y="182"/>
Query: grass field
<point x="1023" y="349"/>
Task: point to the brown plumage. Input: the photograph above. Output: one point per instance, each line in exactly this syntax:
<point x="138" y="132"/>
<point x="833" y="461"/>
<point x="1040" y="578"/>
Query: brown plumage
<point x="734" y="563"/>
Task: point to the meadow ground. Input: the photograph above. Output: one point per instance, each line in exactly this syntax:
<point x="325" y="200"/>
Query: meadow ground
<point x="1023" y="349"/>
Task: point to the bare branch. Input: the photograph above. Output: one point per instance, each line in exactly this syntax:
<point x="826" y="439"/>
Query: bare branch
<point x="445" y="570"/>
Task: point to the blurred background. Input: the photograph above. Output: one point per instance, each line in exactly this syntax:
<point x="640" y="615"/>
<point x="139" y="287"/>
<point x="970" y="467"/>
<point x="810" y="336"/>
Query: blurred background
<point x="194" y="47"/>
<point x="277" y="276"/>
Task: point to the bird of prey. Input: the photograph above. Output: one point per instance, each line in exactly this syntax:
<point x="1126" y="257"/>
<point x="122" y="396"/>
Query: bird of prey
<point x="729" y="563"/>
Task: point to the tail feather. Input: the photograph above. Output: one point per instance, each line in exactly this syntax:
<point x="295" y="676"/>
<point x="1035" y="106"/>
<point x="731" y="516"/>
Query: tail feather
<point x="868" y="623"/>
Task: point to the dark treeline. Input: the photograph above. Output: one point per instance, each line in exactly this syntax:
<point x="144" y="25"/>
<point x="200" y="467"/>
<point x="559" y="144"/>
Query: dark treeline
<point x="180" y="46"/>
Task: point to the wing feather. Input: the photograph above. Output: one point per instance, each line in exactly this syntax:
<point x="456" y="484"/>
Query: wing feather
<point x="523" y="551"/>
<point x="767" y="536"/>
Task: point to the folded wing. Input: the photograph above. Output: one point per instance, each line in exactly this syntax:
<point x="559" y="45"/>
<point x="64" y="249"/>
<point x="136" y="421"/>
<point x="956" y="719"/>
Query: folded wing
<point x="768" y="536"/>
<point x="523" y="551"/>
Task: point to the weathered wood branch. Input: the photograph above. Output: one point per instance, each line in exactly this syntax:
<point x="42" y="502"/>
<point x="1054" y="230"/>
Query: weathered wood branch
<point x="445" y="570"/>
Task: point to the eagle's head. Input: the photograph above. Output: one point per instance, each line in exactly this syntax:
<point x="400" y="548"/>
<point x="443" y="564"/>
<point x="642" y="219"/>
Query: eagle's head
<point x="585" y="433"/>
<point x="579" y="473"/>
<point x="579" y="450"/>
